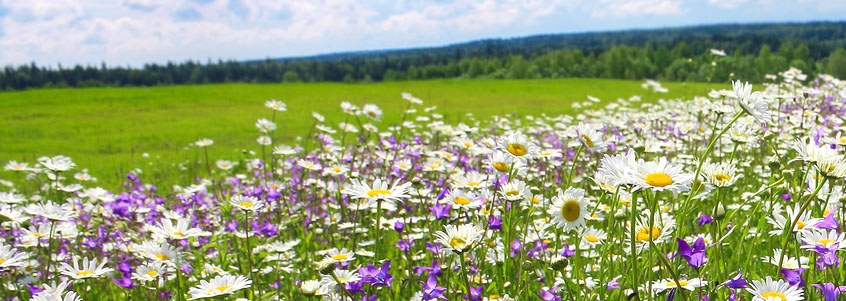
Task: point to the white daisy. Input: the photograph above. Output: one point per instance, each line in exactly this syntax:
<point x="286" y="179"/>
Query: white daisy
<point x="660" y="176"/>
<point x="569" y="209"/>
<point x="87" y="269"/>
<point x="218" y="286"/>
<point x="459" y="238"/>
<point x="770" y="290"/>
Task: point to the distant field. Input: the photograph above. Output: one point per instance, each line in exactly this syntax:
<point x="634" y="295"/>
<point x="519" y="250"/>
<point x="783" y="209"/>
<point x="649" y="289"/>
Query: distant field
<point x="107" y="129"/>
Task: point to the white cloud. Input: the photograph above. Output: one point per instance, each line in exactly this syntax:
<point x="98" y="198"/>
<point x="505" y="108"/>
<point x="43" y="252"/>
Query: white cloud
<point x="624" y="8"/>
<point x="726" y="3"/>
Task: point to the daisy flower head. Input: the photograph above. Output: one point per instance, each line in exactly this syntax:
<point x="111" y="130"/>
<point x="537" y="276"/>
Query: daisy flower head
<point x="569" y="209"/>
<point x="823" y="237"/>
<point x="687" y="284"/>
<point x="660" y="176"/>
<point x="501" y="162"/>
<point x="10" y="257"/>
<point x="768" y="289"/>
<point x="515" y="191"/>
<point x="264" y="140"/>
<point x="219" y="286"/>
<point x="459" y="238"/>
<point x="275" y="105"/>
<point x="618" y="169"/>
<point x="180" y="230"/>
<point x="205" y="142"/>
<point x="372" y="111"/>
<point x="52" y="211"/>
<point x="658" y="231"/>
<point x="224" y="164"/>
<point x="16" y="166"/>
<point x="459" y="199"/>
<point x="87" y="269"/>
<point x="592" y="237"/>
<point x="831" y="165"/>
<point x="719" y="174"/>
<point x="518" y="146"/>
<point x="265" y="126"/>
<point x="590" y="138"/>
<point x="56" y="163"/>
<point x="149" y="272"/>
<point x="751" y="102"/>
<point x="341" y="255"/>
<point x="246" y="203"/>
<point x="378" y="191"/>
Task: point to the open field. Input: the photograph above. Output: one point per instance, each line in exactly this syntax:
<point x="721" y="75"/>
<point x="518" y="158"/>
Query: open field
<point x="107" y="129"/>
<point x="736" y="194"/>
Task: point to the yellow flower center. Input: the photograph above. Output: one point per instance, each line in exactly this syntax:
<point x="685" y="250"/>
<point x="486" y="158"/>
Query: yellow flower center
<point x="179" y="234"/>
<point x="591" y="238"/>
<point x="152" y="273"/>
<point x="534" y="200"/>
<point x="84" y="273"/>
<point x="571" y="210"/>
<point x="494" y="297"/>
<point x="378" y="192"/>
<point x="2" y="261"/>
<point x="800" y="225"/>
<point x="644" y="234"/>
<point x="339" y="257"/>
<point x="457" y="242"/>
<point x="221" y="288"/>
<point x="37" y="234"/>
<point x="336" y="169"/>
<point x="588" y="142"/>
<point x="461" y="201"/>
<point x="825" y="242"/>
<point x="517" y="149"/>
<point x="245" y="204"/>
<point x="473" y="184"/>
<point x="502" y="167"/>
<point x="372" y="114"/>
<point x="468" y="144"/>
<point x="768" y="295"/>
<point x="722" y="177"/>
<point x="673" y="283"/>
<point x="161" y="257"/>
<point x="658" y="179"/>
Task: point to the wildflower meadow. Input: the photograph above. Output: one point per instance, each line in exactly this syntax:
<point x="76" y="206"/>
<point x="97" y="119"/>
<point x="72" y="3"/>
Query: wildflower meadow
<point x="733" y="195"/>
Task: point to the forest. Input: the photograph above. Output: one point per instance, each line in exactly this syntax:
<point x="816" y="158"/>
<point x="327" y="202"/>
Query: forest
<point x="748" y="51"/>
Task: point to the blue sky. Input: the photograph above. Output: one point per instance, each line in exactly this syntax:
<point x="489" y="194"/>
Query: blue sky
<point x="134" y="32"/>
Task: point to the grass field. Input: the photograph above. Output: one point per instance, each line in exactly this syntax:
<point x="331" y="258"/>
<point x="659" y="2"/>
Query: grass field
<point x="107" y="129"/>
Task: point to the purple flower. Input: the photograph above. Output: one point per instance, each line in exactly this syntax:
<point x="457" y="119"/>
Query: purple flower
<point x="613" y="285"/>
<point x="794" y="278"/>
<point x="494" y="223"/>
<point x="567" y="251"/>
<point x="476" y="293"/>
<point x="549" y="295"/>
<point x="705" y="219"/>
<point x="440" y="210"/>
<point x="695" y="256"/>
<point x="403" y="245"/>
<point x="377" y="276"/>
<point x="737" y="282"/>
<point x="829" y="222"/>
<point x="434" y="248"/>
<point x="830" y="291"/>
<point x="431" y="290"/>
<point x="399" y="226"/>
<point x="827" y="256"/>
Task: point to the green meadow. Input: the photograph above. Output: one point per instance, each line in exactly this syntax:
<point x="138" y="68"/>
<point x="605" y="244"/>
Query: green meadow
<point x="108" y="129"/>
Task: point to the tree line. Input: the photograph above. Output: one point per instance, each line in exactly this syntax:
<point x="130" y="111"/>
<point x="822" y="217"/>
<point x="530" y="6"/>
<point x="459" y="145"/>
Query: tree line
<point x="673" y="54"/>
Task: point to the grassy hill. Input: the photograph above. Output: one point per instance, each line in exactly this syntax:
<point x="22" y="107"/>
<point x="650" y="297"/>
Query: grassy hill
<point x="108" y="129"/>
